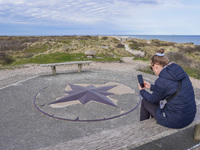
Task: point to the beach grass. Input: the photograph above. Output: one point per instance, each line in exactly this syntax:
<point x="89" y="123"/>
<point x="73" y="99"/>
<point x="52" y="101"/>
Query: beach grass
<point x="60" y="57"/>
<point x="16" y="51"/>
<point x="192" y="72"/>
<point x="37" y="49"/>
<point x="146" y="70"/>
<point x="55" y="49"/>
<point x="142" y="59"/>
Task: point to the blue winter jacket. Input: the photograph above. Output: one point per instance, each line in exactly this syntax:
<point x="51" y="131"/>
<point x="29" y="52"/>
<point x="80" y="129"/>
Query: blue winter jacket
<point x="180" y="111"/>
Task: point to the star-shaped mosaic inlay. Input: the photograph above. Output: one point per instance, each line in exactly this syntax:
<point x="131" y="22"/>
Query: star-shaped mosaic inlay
<point x="86" y="94"/>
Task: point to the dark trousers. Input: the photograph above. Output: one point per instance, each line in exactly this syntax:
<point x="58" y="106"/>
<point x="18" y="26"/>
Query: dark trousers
<point x="148" y="110"/>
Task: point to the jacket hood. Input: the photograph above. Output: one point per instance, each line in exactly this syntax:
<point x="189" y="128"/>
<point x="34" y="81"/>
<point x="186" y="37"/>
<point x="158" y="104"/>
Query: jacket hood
<point x="173" y="72"/>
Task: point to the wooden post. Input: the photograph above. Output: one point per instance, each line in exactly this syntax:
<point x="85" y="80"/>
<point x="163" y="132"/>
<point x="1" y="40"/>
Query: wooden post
<point x="53" y="70"/>
<point x="197" y="132"/>
<point x="79" y="67"/>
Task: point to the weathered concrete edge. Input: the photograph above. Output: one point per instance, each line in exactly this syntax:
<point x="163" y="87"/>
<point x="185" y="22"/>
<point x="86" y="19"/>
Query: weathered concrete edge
<point x="18" y="82"/>
<point x="125" y="137"/>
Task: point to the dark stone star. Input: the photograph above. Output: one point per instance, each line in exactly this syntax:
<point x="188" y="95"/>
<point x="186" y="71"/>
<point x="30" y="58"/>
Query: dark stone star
<point x="86" y="94"/>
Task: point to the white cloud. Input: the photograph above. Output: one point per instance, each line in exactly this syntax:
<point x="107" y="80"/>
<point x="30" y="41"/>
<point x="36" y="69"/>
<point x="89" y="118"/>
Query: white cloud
<point x="147" y="16"/>
<point x="81" y="11"/>
<point x="165" y="18"/>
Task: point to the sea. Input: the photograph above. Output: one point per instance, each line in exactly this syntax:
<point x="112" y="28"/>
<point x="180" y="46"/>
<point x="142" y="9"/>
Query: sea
<point x="195" y="39"/>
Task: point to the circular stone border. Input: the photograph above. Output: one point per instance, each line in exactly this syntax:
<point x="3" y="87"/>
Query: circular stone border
<point x="77" y="119"/>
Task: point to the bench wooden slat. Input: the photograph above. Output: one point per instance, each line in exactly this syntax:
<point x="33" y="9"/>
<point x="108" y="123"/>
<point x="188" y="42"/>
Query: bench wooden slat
<point x="66" y="63"/>
<point x="125" y="137"/>
<point x="53" y="65"/>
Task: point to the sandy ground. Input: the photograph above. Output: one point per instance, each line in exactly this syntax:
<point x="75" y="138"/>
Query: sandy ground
<point x="34" y="70"/>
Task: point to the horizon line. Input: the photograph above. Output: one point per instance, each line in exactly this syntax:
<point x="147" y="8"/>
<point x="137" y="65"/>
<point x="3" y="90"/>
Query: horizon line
<point x="111" y="35"/>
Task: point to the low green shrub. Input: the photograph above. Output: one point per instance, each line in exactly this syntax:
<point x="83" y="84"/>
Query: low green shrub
<point x="5" y="59"/>
<point x="193" y="72"/>
<point x="179" y="58"/>
<point x="51" y="58"/>
<point x="146" y="70"/>
<point x="191" y="67"/>
<point x="39" y="48"/>
<point x="133" y="46"/>
<point x="104" y="38"/>
<point x="119" y="45"/>
<point x="62" y="57"/>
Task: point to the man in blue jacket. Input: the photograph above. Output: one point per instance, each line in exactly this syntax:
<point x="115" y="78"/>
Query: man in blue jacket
<point x="180" y="111"/>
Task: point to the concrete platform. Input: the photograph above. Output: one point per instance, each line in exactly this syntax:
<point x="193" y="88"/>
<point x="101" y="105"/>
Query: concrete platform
<point x="24" y="127"/>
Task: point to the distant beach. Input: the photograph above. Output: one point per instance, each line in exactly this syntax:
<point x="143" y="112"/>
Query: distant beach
<point x="195" y="39"/>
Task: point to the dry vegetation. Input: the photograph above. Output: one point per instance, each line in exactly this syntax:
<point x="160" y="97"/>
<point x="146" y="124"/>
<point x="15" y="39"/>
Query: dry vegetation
<point x="185" y="54"/>
<point x="14" y="48"/>
<point x="17" y="50"/>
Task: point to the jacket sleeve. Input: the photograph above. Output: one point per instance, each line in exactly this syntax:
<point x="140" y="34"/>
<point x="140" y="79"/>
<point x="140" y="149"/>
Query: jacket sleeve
<point x="152" y="87"/>
<point x="157" y="94"/>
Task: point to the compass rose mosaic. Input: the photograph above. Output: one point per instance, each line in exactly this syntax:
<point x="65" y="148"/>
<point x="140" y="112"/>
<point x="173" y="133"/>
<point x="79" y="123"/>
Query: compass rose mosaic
<point x="87" y="102"/>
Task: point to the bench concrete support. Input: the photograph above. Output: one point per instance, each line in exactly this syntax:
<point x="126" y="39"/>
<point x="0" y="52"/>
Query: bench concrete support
<point x="197" y="132"/>
<point x="79" y="67"/>
<point x="53" y="70"/>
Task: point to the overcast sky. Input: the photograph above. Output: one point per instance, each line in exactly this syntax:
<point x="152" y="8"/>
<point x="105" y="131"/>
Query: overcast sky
<point x="104" y="17"/>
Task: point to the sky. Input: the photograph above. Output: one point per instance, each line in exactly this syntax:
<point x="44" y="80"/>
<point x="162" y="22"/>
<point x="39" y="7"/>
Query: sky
<point x="99" y="17"/>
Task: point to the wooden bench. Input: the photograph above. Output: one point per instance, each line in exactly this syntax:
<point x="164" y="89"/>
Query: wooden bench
<point x="53" y="65"/>
<point x="125" y="137"/>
